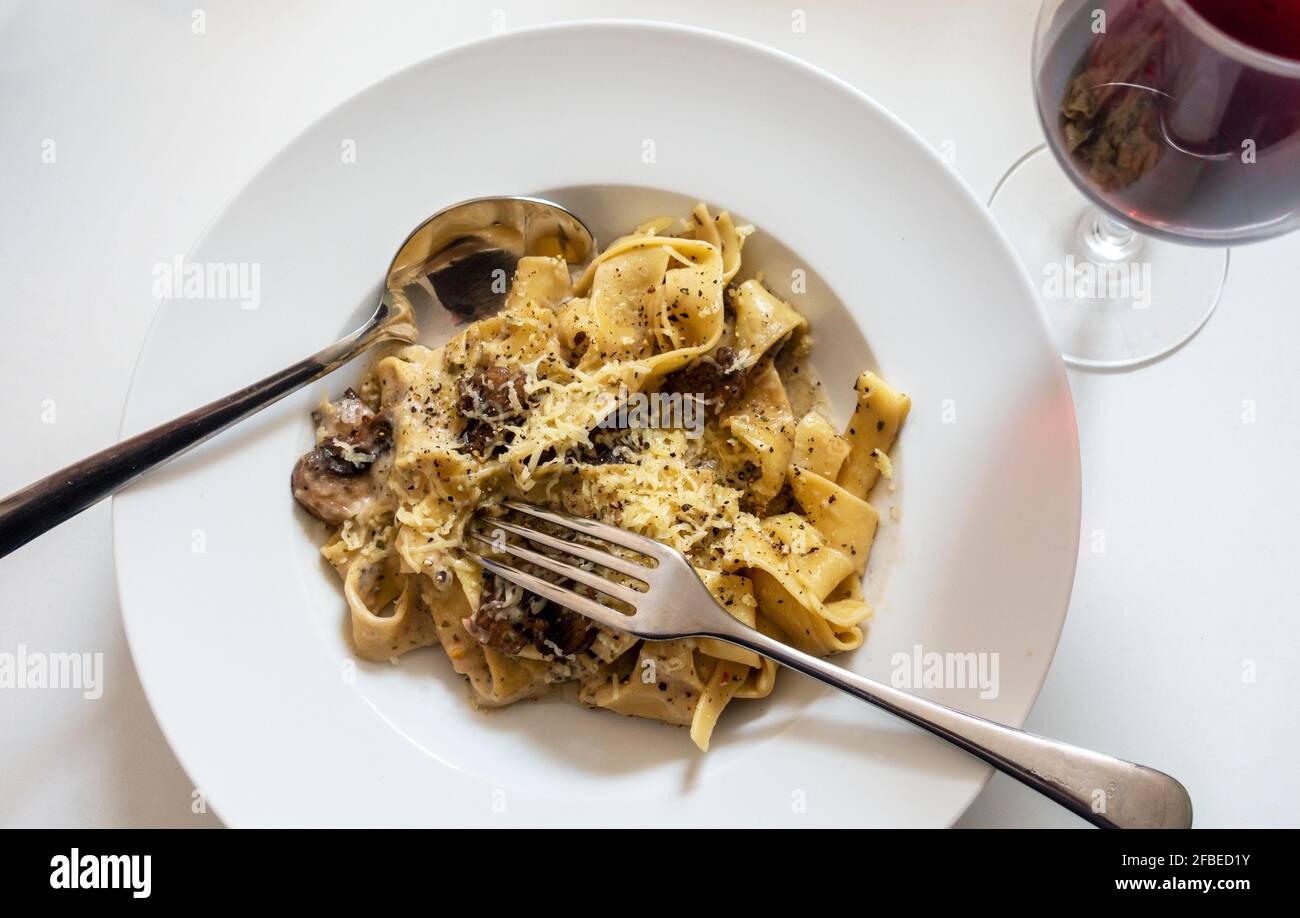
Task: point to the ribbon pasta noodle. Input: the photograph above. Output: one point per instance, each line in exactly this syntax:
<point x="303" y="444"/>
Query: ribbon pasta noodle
<point x="763" y="494"/>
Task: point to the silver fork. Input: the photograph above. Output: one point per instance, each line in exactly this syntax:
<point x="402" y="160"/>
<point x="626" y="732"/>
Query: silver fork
<point x="670" y="602"/>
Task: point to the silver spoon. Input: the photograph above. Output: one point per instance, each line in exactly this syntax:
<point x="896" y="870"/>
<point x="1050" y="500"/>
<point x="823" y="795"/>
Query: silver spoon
<point x="461" y="259"/>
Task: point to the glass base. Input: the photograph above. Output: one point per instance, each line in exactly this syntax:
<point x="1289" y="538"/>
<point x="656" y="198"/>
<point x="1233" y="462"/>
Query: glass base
<point x="1114" y="298"/>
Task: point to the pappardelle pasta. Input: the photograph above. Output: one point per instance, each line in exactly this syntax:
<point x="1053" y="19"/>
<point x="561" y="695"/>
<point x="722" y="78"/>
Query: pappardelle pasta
<point x="761" y="492"/>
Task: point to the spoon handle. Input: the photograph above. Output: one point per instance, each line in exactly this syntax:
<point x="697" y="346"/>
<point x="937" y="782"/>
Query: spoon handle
<point x="44" y="504"/>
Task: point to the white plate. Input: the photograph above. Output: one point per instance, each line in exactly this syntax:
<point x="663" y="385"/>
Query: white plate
<point x="238" y="629"/>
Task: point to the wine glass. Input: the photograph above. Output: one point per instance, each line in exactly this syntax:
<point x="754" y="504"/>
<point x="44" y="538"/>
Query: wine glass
<point x="1174" y="129"/>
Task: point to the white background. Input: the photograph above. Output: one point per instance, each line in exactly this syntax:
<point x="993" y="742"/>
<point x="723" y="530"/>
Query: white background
<point x="1180" y="650"/>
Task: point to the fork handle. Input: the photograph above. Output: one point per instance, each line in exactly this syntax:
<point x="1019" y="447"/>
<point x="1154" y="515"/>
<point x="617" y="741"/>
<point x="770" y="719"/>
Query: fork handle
<point x="1106" y="791"/>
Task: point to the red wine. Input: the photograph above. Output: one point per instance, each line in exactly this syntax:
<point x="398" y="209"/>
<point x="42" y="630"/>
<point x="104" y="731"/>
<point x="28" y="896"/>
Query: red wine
<point x="1168" y="124"/>
<point x="1272" y="26"/>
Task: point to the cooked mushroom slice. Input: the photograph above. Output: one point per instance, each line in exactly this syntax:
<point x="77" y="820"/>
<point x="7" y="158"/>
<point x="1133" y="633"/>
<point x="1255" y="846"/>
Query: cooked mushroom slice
<point x="334" y="481"/>
<point x="716" y="377"/>
<point x="489" y="400"/>
<point x="357" y="432"/>
<point x="329" y="487"/>
<point x="509" y="619"/>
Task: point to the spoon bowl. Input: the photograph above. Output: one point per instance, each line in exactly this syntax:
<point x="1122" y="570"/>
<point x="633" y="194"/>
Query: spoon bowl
<point x="456" y="266"/>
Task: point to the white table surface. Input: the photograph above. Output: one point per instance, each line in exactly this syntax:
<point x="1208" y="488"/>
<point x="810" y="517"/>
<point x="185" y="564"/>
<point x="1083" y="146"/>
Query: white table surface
<point x="1180" y="650"/>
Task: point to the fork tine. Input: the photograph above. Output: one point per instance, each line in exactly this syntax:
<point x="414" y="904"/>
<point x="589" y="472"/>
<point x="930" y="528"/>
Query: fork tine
<point x="599" y="556"/>
<point x="589" y="578"/>
<point x="567" y="598"/>
<point x="643" y="544"/>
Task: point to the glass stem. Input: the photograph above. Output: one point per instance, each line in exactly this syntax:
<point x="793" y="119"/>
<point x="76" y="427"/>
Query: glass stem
<point x="1107" y="239"/>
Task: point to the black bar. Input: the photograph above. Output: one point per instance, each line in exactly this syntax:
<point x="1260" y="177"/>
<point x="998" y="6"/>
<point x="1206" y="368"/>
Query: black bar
<point x="334" y="867"/>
